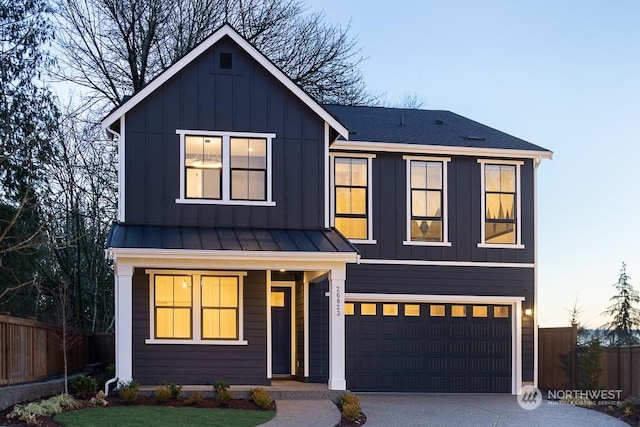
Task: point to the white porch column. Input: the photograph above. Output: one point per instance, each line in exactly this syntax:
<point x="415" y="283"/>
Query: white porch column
<point x="337" y="379"/>
<point x="124" y="329"/>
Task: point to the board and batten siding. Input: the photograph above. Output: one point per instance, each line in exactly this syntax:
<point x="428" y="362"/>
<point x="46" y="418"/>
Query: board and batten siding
<point x="244" y="99"/>
<point x="464" y="214"/>
<point x="441" y="280"/>
<point x="202" y="364"/>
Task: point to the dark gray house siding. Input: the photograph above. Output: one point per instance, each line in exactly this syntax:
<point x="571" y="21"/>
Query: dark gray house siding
<point x="245" y="99"/>
<point x="440" y="280"/>
<point x="202" y="364"/>
<point x="464" y="214"/>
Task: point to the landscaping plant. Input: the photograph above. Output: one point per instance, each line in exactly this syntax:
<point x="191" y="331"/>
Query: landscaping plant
<point x="44" y="408"/>
<point x="162" y="393"/>
<point x="194" y="399"/>
<point x="175" y="390"/>
<point x="82" y="385"/>
<point x="350" y="406"/>
<point x="129" y="391"/>
<point x="261" y="397"/>
<point x="99" y="399"/>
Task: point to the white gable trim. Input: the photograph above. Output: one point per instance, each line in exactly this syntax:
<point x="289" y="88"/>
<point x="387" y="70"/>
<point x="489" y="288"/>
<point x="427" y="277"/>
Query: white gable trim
<point x="424" y="149"/>
<point x="225" y="30"/>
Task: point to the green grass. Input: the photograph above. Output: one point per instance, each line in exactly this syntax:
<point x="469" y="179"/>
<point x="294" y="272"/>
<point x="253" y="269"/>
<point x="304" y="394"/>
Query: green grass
<point x="162" y="416"/>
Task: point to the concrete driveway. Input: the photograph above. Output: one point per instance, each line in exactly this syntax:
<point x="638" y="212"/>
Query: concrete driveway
<point x="476" y="410"/>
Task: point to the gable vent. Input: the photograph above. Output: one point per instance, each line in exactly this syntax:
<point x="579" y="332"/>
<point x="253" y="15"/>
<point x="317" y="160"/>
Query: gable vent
<point x="226" y="61"/>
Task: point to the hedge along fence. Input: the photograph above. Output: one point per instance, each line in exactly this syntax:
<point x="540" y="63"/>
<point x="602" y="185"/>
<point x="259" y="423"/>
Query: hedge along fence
<point x="32" y="350"/>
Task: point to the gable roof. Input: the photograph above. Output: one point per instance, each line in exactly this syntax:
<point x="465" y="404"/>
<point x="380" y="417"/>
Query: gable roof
<point x="425" y="128"/>
<point x="228" y="31"/>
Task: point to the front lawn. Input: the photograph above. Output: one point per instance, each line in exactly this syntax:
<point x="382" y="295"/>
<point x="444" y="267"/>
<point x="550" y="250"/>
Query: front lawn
<point x="157" y="416"/>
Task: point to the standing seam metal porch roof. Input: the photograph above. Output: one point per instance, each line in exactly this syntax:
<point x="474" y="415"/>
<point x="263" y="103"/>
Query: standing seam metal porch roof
<point x="227" y="239"/>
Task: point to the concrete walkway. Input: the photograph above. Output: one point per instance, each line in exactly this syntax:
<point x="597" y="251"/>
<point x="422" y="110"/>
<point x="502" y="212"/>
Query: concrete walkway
<point x="308" y="413"/>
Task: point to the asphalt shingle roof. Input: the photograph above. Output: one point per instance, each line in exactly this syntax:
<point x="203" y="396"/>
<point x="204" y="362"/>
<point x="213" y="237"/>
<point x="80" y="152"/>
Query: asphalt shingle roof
<point x="425" y="127"/>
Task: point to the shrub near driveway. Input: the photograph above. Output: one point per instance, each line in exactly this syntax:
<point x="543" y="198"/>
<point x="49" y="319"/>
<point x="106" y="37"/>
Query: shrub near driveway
<point x="154" y="416"/>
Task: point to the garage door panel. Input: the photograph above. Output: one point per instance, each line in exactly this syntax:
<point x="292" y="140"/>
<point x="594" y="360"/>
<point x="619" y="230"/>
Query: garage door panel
<point x="425" y="352"/>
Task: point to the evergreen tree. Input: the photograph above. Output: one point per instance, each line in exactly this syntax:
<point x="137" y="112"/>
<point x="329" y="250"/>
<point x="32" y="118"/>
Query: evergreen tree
<point x="623" y="329"/>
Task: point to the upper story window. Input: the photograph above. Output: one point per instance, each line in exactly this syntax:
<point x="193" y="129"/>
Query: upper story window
<point x="501" y="218"/>
<point x="195" y="307"/>
<point x="232" y="168"/>
<point x="351" y="196"/>
<point x="427" y="222"/>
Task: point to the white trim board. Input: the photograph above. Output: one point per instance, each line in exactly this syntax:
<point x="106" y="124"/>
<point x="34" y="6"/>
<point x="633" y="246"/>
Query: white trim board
<point x="397" y="147"/>
<point x="225" y="30"/>
<point x="445" y="263"/>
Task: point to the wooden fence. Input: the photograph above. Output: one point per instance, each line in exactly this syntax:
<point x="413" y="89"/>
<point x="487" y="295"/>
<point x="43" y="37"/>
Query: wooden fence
<point x="558" y="355"/>
<point x="32" y="350"/>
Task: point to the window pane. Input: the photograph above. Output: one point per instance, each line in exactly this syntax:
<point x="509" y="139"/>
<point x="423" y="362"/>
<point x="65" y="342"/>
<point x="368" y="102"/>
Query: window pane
<point x="348" y="308"/>
<point x="258" y="153"/>
<point x="434" y="175"/>
<point x="433" y="204"/>
<point x="194" y="182"/>
<point x="342" y="171"/>
<point x="182" y="291"/>
<point x="210" y="323"/>
<point x="458" y="311"/>
<point x="210" y="288"/>
<point x="359" y="201"/>
<point x="500" y="311"/>
<point x="193" y="148"/>
<point x="492" y="177"/>
<point x="493" y="206"/>
<point x="359" y="172"/>
<point x="240" y="185"/>
<point x="426" y="231"/>
<point x="239" y="153"/>
<point x="164" y="323"/>
<point x="500" y="233"/>
<point x="257" y="185"/>
<point x="419" y="203"/>
<point x="228" y="323"/>
<point x="389" y="309"/>
<point x="277" y="299"/>
<point x="508" y="179"/>
<point x="367" y="309"/>
<point x="228" y="292"/>
<point x="164" y="290"/>
<point x="411" y="310"/>
<point x="436" y="310"/>
<point x="343" y="200"/>
<point x="210" y="184"/>
<point x="182" y="323"/>
<point x="418" y="175"/>
<point x="507" y="206"/>
<point x="479" y="311"/>
<point x="352" y="228"/>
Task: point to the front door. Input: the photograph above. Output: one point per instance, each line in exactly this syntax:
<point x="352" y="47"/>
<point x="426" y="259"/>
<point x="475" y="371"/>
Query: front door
<point x="281" y="330"/>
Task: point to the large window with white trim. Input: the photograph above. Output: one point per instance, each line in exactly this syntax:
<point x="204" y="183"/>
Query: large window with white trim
<point x="198" y="307"/>
<point x="351" y="196"/>
<point x="426" y="201"/>
<point x="501" y="203"/>
<point x="225" y="168"/>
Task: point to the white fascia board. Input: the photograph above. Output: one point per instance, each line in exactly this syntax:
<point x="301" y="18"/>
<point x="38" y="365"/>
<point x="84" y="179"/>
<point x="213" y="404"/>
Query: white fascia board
<point x="459" y="299"/>
<point x="399" y="147"/>
<point x="225" y="30"/>
<point x="282" y="257"/>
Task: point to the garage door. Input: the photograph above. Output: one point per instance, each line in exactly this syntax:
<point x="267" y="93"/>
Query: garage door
<point x="428" y="347"/>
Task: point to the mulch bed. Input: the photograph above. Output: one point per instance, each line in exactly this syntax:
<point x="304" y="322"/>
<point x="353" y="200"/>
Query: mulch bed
<point x="632" y="419"/>
<point x="143" y="401"/>
<point x="362" y="418"/>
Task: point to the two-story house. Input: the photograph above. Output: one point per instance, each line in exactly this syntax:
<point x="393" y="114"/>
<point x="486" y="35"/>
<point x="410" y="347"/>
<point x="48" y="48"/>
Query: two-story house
<point x="263" y="235"/>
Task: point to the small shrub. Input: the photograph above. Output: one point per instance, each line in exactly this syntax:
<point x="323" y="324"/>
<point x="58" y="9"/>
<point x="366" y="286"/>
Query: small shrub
<point x="129" y="391"/>
<point x="220" y="385"/>
<point x="194" y="399"/>
<point x="82" y="386"/>
<point x="261" y="397"/>
<point x="223" y="397"/>
<point x="175" y="390"/>
<point x="110" y="371"/>
<point x="44" y="408"/>
<point x="162" y="393"/>
<point x="349" y="398"/>
<point x="99" y="399"/>
<point x="351" y="410"/>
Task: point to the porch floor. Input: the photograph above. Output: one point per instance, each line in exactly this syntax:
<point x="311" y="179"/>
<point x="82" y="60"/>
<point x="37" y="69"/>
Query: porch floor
<point x="280" y="389"/>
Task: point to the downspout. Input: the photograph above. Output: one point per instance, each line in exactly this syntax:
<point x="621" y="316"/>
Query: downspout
<point x="107" y="254"/>
<point x="536" y="164"/>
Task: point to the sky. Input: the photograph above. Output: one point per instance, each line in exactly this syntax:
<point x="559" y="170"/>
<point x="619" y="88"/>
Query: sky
<point x="564" y="75"/>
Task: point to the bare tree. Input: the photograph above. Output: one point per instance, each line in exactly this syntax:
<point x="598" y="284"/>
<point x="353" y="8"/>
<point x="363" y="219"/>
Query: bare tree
<point x="410" y="100"/>
<point x="114" y="47"/>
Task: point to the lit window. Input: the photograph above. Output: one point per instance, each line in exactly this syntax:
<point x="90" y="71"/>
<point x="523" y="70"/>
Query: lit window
<point x="348" y="308"/>
<point x="277" y="299"/>
<point x="501" y="203"/>
<point x="426" y="201"/>
<point x="196" y="307"/>
<point x="368" y="309"/>
<point x="436" y="310"/>
<point x="389" y="309"/>
<point x="479" y="311"/>
<point x="351" y="197"/>
<point x="225" y="168"/>
<point x="458" y="311"/>
<point x="500" y="311"/>
<point x="411" y="310"/>
<point x="173" y="307"/>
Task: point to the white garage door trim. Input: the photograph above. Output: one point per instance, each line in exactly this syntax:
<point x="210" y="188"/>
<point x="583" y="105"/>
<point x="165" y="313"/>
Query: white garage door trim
<point x="516" y="318"/>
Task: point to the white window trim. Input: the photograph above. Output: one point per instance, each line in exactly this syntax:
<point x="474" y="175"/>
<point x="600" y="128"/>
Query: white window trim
<point x="445" y="204"/>
<point x="483" y="243"/>
<point x="226" y="171"/>
<point x="196" y="308"/>
<point x="369" y="240"/>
